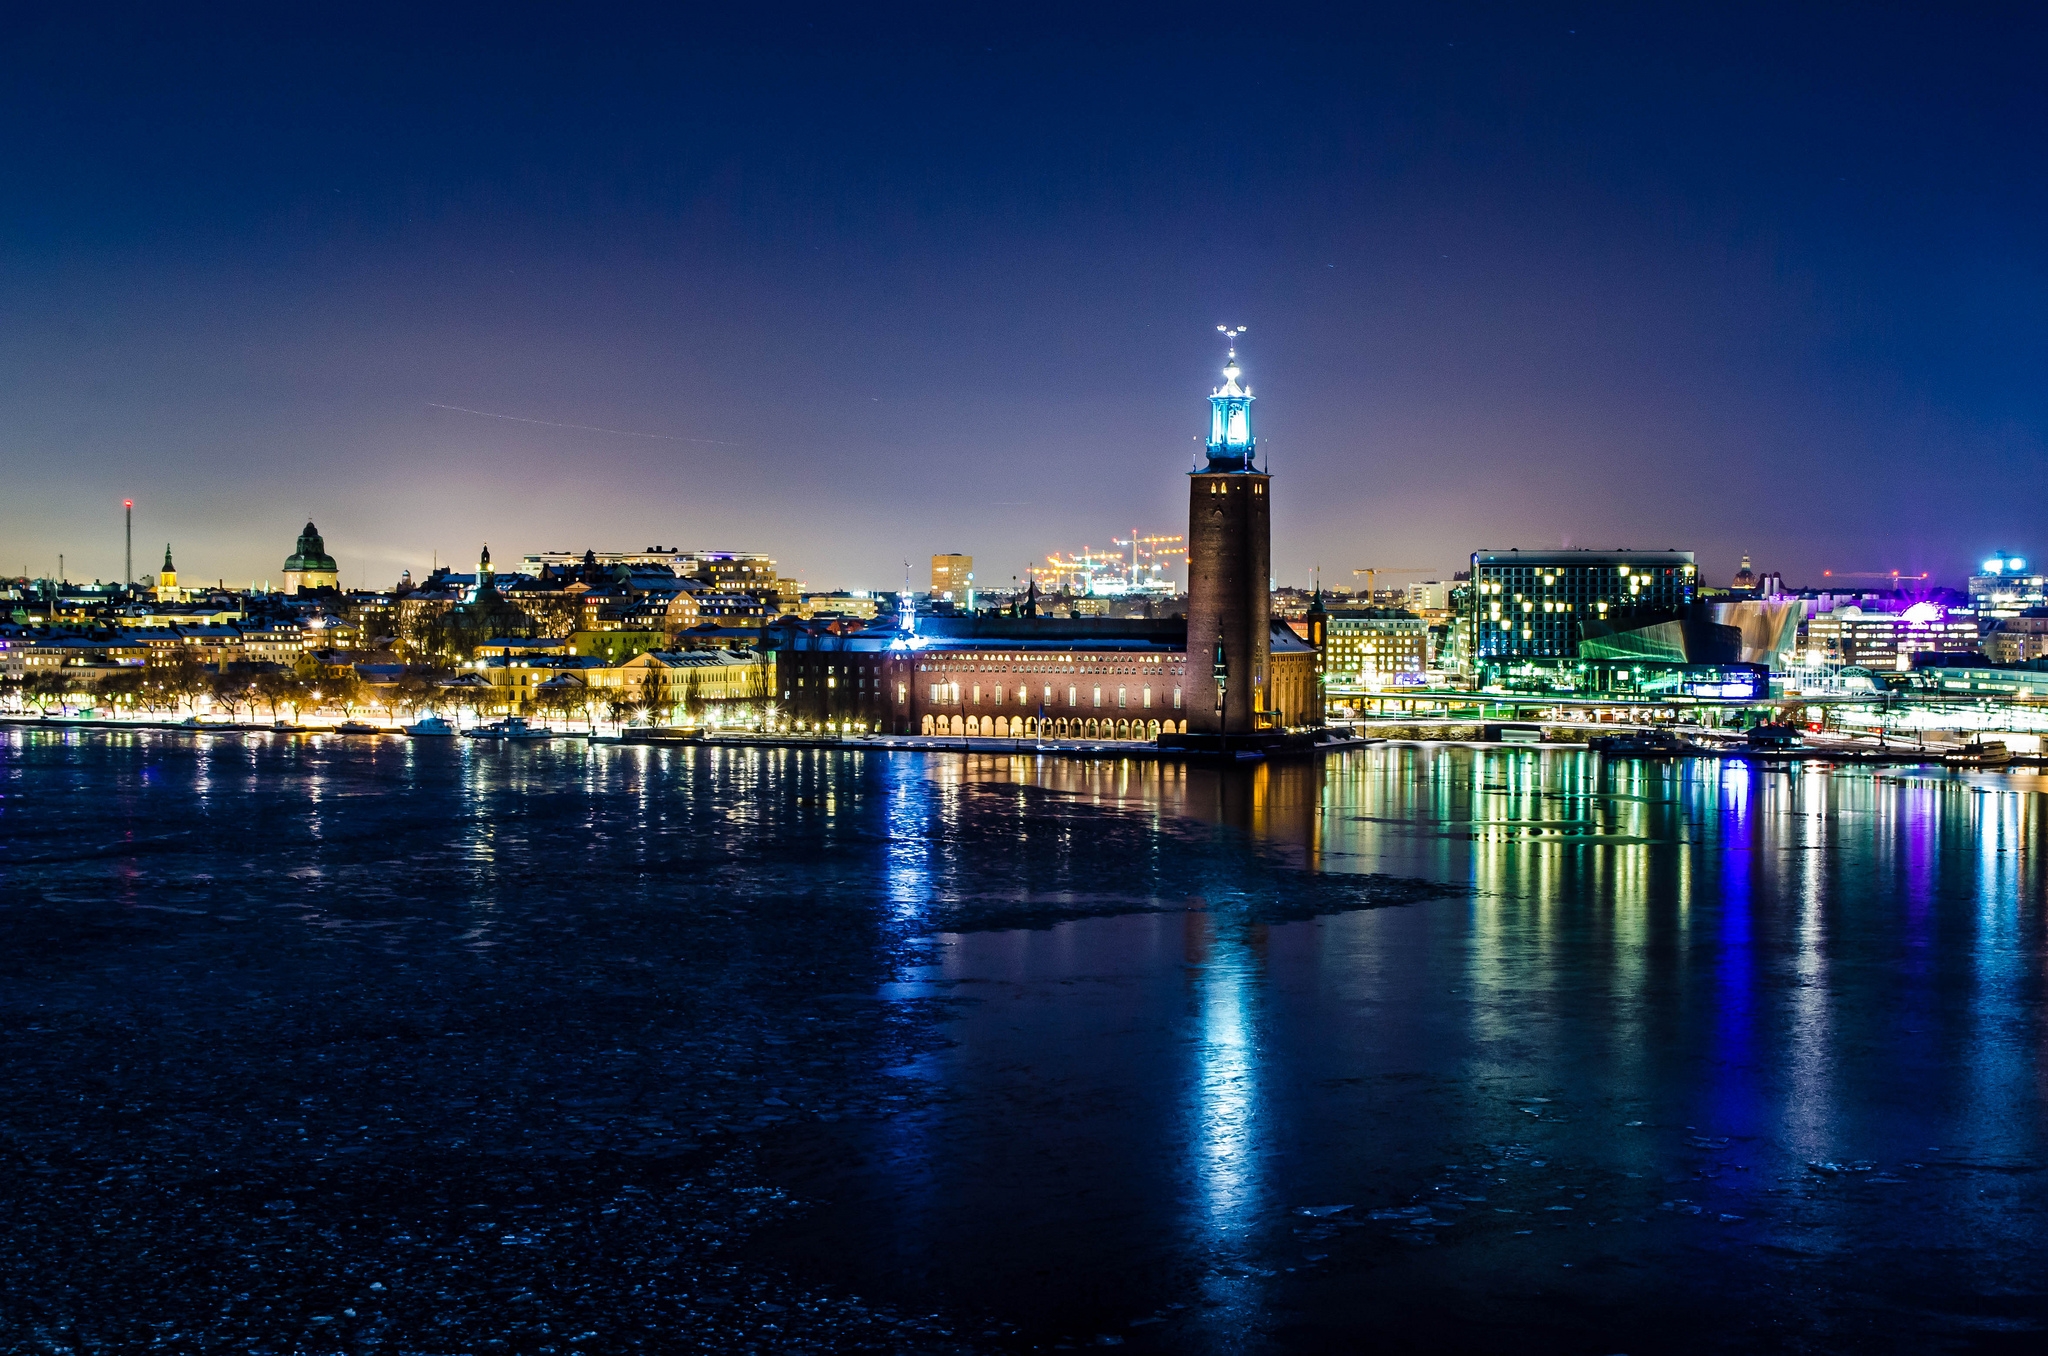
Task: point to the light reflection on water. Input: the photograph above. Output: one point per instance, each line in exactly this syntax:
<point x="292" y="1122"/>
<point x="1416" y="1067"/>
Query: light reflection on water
<point x="1700" y="978"/>
<point x="1662" y="982"/>
<point x="1224" y="1105"/>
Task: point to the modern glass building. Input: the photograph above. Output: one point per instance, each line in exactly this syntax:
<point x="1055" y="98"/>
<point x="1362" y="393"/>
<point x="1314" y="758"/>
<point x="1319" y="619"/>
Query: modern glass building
<point x="1534" y="604"/>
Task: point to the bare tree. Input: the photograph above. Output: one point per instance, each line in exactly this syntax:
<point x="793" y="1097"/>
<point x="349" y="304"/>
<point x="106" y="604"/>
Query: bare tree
<point x="689" y="695"/>
<point x="230" y="693"/>
<point x="128" y="688"/>
<point x="45" y="690"/>
<point x="411" y="692"/>
<point x="280" y="687"/>
<point x="346" y="691"/>
<point x="184" y="680"/>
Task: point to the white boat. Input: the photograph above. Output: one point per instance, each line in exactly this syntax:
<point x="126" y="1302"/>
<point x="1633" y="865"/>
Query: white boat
<point x="1982" y="753"/>
<point x="432" y="727"/>
<point x="512" y="727"/>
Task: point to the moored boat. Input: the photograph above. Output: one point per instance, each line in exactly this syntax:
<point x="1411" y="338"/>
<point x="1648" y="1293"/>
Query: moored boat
<point x="1642" y="744"/>
<point x="430" y="727"/>
<point x="1983" y="753"/>
<point x="1773" y="737"/>
<point x="512" y="727"/>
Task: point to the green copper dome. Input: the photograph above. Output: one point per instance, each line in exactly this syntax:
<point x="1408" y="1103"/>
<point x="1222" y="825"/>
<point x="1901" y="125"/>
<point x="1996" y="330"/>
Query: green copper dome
<point x="312" y="553"/>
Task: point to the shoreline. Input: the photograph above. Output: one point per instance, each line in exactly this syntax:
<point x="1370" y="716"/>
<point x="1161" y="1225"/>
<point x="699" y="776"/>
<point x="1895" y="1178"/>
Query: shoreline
<point x="1849" y="756"/>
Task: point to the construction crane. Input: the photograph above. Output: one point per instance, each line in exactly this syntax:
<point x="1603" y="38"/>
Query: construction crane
<point x="1894" y="575"/>
<point x="1148" y="553"/>
<point x="1372" y="571"/>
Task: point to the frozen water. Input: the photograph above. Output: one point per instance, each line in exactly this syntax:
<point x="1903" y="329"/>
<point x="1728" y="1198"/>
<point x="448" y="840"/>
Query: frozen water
<point x="643" y="1049"/>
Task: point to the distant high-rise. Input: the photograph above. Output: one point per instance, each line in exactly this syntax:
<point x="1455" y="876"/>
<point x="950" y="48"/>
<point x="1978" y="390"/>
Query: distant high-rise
<point x="1229" y="570"/>
<point x="952" y="576"/>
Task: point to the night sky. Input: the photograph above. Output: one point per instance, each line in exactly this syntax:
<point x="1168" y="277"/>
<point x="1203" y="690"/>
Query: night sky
<point x="1769" y="280"/>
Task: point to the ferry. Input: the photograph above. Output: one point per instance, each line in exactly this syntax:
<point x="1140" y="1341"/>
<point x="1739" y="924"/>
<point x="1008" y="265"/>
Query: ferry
<point x="1984" y="753"/>
<point x="432" y="727"/>
<point x="512" y="727"/>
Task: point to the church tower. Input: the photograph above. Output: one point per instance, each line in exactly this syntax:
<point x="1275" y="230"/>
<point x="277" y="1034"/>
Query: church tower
<point x="167" y="579"/>
<point x="486" y="578"/>
<point x="1229" y="567"/>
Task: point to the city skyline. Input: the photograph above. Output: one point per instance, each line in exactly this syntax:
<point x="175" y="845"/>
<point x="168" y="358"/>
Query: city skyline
<point x="975" y="680"/>
<point x="1530" y="280"/>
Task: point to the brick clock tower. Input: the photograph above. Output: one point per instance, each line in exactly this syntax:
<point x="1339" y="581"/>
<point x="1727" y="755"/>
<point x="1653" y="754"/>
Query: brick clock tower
<point x="1229" y="571"/>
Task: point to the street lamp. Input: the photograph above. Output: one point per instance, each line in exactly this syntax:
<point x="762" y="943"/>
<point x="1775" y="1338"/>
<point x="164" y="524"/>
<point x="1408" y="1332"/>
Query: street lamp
<point x="1222" y="674"/>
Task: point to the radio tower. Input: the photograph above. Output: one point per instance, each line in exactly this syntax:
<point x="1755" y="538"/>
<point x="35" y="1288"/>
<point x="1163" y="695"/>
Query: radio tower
<point x="128" y="558"/>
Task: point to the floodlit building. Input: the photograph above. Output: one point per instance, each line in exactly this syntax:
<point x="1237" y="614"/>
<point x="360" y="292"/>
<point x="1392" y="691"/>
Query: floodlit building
<point x="680" y="684"/>
<point x="2015" y="640"/>
<point x="1538" y="604"/>
<point x="1376" y="646"/>
<point x="1229" y="635"/>
<point x="1008" y="677"/>
<point x="1852" y="637"/>
<point x="2005" y="586"/>
<point x="310" y="567"/>
<point x="1086" y="677"/>
<point x="167" y="590"/>
<point x="953" y="578"/>
<point x="1431" y="595"/>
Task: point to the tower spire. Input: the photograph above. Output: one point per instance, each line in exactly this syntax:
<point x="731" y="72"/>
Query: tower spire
<point x="1232" y="444"/>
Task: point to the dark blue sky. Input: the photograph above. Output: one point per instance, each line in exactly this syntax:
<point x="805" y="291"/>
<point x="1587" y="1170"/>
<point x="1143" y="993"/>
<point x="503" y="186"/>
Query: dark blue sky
<point x="1769" y="279"/>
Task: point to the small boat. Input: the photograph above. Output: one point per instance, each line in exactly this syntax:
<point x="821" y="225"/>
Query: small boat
<point x="1984" y="753"/>
<point x="1770" y="736"/>
<point x="432" y="727"/>
<point x="512" y="727"/>
<point x="1642" y="744"/>
<point x="286" y="727"/>
<point x="355" y="727"/>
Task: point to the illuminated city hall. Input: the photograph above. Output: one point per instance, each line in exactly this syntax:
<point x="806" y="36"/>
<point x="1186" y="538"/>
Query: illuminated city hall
<point x="1224" y="667"/>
